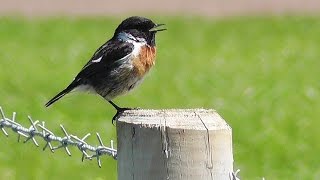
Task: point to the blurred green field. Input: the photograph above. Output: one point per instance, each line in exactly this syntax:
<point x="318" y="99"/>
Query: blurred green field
<point x="260" y="73"/>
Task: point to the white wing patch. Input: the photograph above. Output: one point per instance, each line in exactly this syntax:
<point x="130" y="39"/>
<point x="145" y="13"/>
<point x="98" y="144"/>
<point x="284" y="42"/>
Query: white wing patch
<point x="97" y="60"/>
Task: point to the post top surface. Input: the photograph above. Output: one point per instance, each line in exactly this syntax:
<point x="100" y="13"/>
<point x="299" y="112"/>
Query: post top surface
<point x="176" y="118"/>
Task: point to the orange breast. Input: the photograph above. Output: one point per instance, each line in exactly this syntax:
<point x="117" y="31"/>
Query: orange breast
<point x="145" y="60"/>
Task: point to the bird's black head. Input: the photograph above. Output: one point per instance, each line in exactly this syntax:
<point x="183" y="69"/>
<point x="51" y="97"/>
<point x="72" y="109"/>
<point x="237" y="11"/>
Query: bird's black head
<point x="140" y="27"/>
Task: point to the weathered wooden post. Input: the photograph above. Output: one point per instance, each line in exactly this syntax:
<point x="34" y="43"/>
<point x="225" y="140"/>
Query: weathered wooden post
<point x="184" y="144"/>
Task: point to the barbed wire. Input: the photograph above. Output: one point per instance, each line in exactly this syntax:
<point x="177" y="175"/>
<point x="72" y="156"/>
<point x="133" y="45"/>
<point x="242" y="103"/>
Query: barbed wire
<point x="233" y="175"/>
<point x="48" y="136"/>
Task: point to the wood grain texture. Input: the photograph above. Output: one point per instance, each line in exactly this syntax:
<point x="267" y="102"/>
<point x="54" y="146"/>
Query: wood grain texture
<point x="188" y="144"/>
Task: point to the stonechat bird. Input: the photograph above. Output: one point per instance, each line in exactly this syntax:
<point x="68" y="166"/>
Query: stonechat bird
<point x="120" y="64"/>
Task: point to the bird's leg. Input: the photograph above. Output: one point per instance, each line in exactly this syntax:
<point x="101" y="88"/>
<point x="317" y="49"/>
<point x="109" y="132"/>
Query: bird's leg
<point x="120" y="110"/>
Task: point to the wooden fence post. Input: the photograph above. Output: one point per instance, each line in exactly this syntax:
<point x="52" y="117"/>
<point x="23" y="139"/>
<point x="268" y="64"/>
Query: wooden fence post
<point x="186" y="144"/>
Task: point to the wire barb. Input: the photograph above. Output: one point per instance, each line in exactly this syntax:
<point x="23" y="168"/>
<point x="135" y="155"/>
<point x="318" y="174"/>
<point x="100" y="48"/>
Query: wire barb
<point x="234" y="175"/>
<point x="66" y="141"/>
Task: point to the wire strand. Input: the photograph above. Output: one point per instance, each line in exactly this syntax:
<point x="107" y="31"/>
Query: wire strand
<point x="39" y="130"/>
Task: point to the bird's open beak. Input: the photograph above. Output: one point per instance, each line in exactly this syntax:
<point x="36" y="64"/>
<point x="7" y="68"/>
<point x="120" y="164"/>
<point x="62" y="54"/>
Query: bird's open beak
<point x="157" y="28"/>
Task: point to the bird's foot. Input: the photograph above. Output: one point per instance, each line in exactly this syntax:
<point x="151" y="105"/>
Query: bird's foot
<point x="119" y="113"/>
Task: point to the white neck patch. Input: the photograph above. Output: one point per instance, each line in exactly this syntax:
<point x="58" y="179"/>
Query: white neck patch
<point x="127" y="37"/>
<point x="137" y="42"/>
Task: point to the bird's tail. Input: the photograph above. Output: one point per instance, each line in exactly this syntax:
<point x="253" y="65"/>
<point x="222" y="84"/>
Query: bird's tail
<point x="61" y="94"/>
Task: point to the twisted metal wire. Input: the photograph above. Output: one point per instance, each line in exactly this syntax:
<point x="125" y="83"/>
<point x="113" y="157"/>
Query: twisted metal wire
<point x="48" y="136"/>
<point x="234" y="175"/>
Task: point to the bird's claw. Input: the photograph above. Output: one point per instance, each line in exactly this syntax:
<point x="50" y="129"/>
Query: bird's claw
<point x="119" y="113"/>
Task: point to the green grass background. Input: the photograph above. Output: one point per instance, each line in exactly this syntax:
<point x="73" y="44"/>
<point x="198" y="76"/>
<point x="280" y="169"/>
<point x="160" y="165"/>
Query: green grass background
<point x="260" y="73"/>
